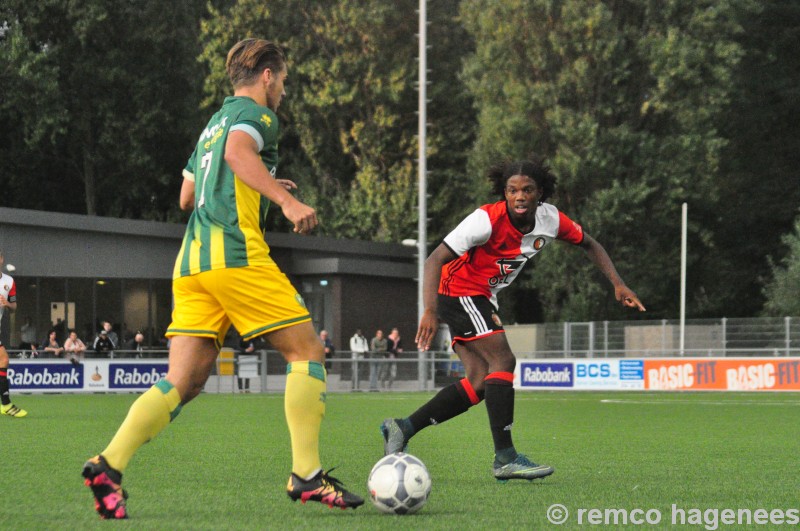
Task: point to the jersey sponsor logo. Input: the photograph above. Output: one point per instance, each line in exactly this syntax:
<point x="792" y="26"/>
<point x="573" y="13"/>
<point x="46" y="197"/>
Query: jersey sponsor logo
<point x="547" y="375"/>
<point x="209" y="132"/>
<point x="214" y="133"/>
<point x="507" y="267"/>
<point x="538" y="243"/>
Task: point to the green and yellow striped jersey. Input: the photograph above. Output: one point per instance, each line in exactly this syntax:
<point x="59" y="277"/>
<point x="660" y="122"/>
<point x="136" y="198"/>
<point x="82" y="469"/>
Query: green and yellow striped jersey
<point x="226" y="228"/>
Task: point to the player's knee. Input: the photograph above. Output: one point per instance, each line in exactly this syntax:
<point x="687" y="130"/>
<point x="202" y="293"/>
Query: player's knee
<point x="503" y="362"/>
<point x="478" y="384"/>
<point x="311" y="351"/>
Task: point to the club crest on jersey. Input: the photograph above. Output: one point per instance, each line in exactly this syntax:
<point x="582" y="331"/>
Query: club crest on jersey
<point x="507" y="267"/>
<point x="497" y="320"/>
<point x="538" y="243"/>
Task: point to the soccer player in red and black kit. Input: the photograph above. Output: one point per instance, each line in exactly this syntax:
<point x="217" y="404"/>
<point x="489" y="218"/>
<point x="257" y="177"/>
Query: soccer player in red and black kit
<point x="8" y="299"/>
<point x="462" y="277"/>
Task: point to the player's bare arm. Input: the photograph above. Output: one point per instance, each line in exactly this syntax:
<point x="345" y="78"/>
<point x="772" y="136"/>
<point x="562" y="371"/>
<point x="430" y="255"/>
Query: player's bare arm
<point x="598" y="255"/>
<point x="241" y="154"/>
<point x="429" y="322"/>
<point x="186" y="200"/>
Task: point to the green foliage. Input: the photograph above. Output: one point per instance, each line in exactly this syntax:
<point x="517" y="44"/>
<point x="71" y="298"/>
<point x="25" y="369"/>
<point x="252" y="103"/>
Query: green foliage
<point x="624" y="98"/>
<point x="104" y="98"/>
<point x="349" y="122"/>
<point x="781" y="291"/>
<point x="760" y="163"/>
<point x="639" y="105"/>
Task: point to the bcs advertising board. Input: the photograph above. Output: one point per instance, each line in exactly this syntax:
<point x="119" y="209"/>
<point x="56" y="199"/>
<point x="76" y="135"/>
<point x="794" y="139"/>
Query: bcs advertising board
<point x="580" y="374"/>
<point x="609" y="374"/>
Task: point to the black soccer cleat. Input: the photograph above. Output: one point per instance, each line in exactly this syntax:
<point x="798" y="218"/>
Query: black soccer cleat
<point x="322" y="488"/>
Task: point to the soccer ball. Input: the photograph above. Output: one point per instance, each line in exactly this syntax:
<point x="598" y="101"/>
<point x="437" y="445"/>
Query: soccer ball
<point x="399" y="484"/>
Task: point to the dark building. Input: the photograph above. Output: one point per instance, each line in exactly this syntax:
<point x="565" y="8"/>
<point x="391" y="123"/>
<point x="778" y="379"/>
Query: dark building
<point x="76" y="271"/>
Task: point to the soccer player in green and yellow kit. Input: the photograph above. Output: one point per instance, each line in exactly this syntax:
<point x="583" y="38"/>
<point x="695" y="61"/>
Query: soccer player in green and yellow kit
<point x="224" y="275"/>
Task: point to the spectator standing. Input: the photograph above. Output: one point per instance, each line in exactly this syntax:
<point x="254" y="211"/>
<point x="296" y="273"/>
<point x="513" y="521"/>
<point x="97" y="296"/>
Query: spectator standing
<point x="74" y="348"/>
<point x="327" y="344"/>
<point x="394" y="347"/>
<point x="246" y="356"/>
<point x="359" y="346"/>
<point x="60" y="327"/>
<point x="103" y="345"/>
<point x="51" y="348"/>
<point x="27" y="334"/>
<point x="378" y="350"/>
<point x="112" y="336"/>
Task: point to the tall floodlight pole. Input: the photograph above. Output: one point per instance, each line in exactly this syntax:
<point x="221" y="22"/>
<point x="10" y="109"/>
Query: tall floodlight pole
<point x="684" y="217"/>
<point x="422" y="170"/>
<point x="422" y="167"/>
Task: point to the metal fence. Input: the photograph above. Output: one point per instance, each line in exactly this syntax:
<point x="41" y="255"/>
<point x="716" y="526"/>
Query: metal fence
<point x="266" y="372"/>
<point x="768" y="336"/>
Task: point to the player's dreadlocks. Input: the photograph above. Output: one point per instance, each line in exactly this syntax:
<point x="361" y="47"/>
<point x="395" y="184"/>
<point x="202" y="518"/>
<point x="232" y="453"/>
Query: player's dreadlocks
<point x="535" y="168"/>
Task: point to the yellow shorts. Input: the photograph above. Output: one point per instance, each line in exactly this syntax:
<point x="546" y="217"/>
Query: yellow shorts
<point x="256" y="299"/>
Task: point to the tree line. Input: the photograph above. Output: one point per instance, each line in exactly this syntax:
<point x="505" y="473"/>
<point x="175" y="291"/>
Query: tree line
<point x="639" y="106"/>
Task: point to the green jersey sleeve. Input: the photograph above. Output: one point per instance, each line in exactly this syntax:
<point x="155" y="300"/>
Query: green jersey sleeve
<point x="261" y="124"/>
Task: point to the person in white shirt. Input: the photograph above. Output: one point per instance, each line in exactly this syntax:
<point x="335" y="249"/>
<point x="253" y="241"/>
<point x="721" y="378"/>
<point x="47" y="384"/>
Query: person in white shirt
<point x="74" y="348"/>
<point x="358" y="344"/>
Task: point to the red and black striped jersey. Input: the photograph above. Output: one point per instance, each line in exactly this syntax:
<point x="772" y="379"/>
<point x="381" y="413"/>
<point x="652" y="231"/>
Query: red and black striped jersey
<point x="8" y="289"/>
<point x="491" y="251"/>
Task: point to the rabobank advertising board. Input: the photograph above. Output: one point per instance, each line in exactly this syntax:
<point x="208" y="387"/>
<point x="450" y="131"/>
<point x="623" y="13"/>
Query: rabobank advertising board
<point x="546" y="374"/>
<point x="91" y="375"/>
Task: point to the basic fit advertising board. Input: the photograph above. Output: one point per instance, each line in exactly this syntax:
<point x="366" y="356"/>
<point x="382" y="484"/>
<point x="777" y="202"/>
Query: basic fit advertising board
<point x="660" y="374"/>
<point x="723" y="374"/>
<point x="91" y="375"/>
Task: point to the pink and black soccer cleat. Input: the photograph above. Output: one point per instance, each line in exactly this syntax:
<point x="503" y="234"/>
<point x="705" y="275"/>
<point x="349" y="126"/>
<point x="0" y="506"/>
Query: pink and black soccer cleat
<point x="109" y="496"/>
<point x="322" y="488"/>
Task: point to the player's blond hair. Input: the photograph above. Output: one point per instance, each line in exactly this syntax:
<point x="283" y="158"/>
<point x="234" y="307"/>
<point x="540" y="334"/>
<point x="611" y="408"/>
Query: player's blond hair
<point x="250" y="57"/>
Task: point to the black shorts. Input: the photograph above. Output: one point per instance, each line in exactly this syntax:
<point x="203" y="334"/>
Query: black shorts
<point x="469" y="318"/>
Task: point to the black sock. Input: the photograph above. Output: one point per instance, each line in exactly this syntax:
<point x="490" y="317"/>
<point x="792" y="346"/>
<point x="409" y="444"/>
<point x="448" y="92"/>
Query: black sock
<point x="500" y="407"/>
<point x="5" y="398"/>
<point x="450" y="402"/>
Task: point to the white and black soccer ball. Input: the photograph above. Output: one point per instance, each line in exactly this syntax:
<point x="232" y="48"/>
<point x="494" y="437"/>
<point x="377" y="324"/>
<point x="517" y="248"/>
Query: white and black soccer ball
<point x="399" y="484"/>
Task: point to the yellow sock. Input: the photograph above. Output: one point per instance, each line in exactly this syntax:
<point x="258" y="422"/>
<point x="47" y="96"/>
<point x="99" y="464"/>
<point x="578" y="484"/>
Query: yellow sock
<point x="304" y="403"/>
<point x="147" y="417"/>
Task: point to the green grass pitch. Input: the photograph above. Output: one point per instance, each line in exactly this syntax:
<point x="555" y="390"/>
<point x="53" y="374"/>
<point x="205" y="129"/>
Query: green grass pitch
<point x="224" y="462"/>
